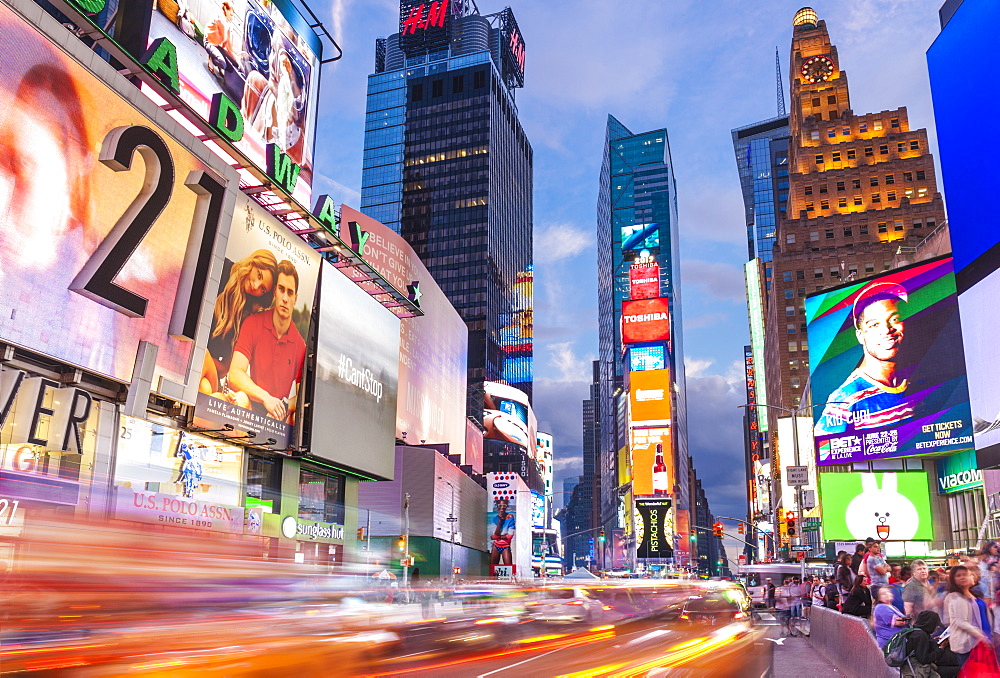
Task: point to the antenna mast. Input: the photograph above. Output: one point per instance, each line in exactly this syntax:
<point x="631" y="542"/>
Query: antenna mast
<point x="781" y="89"/>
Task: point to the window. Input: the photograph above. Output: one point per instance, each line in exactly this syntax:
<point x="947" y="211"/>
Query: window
<point x="787" y="276"/>
<point x="814" y="135"/>
<point x="840" y="185"/>
<point x="264" y="483"/>
<point x="869" y="268"/>
<point x="889" y="179"/>
<point x="479" y="79"/>
<point x="868" y="152"/>
<point x="823" y="188"/>
<point x="829" y="234"/>
<point x="863" y="229"/>
<point x="790" y="238"/>
<point x="789" y="310"/>
<point x="793" y="346"/>
<point x="808" y="190"/>
<point x="914" y="145"/>
<point x="321" y="497"/>
<point x="898" y="226"/>
<point x="834" y="115"/>
<point x="863" y="128"/>
<point x="857" y="200"/>
<point x="801" y="292"/>
<point x="417" y="92"/>
<point x="883" y="149"/>
<point x="791" y="328"/>
<point x="852" y="270"/>
<point x="901" y="147"/>
<point x="841" y="202"/>
<point x="917" y="223"/>
<point x="886" y="265"/>
<point x="825" y="204"/>
<point x="873" y="181"/>
<point x="894" y="123"/>
<point x="793" y="364"/>
<point x="930" y="223"/>
<point x="921" y="175"/>
<point x="856" y="183"/>
<point x="876" y="197"/>
<point x="789" y="293"/>
<point x="891" y="196"/>
<point x="834" y="272"/>
<point x="458" y="84"/>
<point x="817" y="272"/>
<point x="848" y="232"/>
<point x="852" y="154"/>
<point x="800" y="275"/>
<point x="796" y="382"/>
<point x="810" y="207"/>
<point x="819" y="158"/>
<point x="816" y="102"/>
<point x="922" y="192"/>
<point x="831" y="99"/>
<point x="877" y="125"/>
<point x="882" y="228"/>
<point x="908" y="193"/>
<point x="846" y="131"/>
<point x="831" y="133"/>
<point x="907" y="176"/>
<point x="813" y="236"/>
<point x="836" y="156"/>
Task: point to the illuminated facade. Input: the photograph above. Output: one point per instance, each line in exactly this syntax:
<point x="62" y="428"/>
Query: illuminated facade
<point x="448" y="166"/>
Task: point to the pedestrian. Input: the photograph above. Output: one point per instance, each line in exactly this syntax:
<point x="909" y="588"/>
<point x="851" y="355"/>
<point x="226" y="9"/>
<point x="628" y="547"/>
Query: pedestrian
<point x="859" y="555"/>
<point x="876" y="570"/>
<point x="859" y="600"/>
<point x="895" y="573"/>
<point x="795" y="597"/>
<point x="783" y="606"/>
<point x="819" y="591"/>
<point x="897" y="586"/>
<point x="888" y="618"/>
<point x="845" y="576"/>
<point x="919" y="593"/>
<point x="989" y="557"/>
<point x="965" y="627"/>
<point x="925" y="655"/>
<point x="805" y="594"/>
<point x="769" y="593"/>
<point x="832" y="599"/>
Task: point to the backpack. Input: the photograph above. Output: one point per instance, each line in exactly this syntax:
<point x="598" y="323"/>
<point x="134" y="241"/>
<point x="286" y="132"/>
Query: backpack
<point x="831" y="596"/>
<point x="895" y="649"/>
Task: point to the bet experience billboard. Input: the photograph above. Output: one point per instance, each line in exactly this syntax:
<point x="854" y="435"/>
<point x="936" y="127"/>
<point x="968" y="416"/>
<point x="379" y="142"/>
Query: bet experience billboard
<point x="887" y="367"/>
<point x="108" y="221"/>
<point x="885" y="506"/>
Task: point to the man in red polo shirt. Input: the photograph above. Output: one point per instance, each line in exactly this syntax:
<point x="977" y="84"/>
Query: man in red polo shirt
<point x="269" y="351"/>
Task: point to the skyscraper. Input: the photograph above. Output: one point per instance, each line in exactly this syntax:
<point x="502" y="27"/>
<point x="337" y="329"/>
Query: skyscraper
<point x="637" y="262"/>
<point x="448" y="166"/>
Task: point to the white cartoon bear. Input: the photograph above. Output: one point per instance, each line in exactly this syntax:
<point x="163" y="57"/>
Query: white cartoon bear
<point x="881" y="513"/>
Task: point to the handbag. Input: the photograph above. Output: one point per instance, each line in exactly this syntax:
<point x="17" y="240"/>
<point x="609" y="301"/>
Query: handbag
<point x="982" y="663"/>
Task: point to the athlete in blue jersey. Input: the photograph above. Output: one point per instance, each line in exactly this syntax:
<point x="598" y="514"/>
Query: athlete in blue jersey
<point x="874" y="395"/>
<point x="503" y="535"/>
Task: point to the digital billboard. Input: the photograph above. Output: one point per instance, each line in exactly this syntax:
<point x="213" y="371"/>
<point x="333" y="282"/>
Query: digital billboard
<point x="980" y="329"/>
<point x="883" y="506"/>
<point x="654" y="530"/>
<point x="103" y="214"/>
<point x="887" y="368"/>
<point x="643" y="358"/>
<point x="649" y="398"/>
<point x="508" y="524"/>
<point x="652" y="462"/>
<point x="517" y="329"/>
<point x="508" y="417"/>
<point x="958" y="472"/>
<point x="263" y="306"/>
<point x="644" y="281"/>
<point x="638" y="237"/>
<point x="263" y="57"/>
<point x="646" y="320"/>
<point x="433" y="348"/>
<point x="357" y="367"/>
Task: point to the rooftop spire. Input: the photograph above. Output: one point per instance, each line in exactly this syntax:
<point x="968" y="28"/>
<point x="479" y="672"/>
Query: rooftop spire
<point x="781" y="88"/>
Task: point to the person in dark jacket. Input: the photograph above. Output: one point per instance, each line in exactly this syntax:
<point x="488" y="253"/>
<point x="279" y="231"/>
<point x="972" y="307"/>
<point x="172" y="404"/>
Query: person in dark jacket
<point x="923" y="651"/>
<point x="859" y="601"/>
<point x="844" y="576"/>
<point x="859" y="554"/>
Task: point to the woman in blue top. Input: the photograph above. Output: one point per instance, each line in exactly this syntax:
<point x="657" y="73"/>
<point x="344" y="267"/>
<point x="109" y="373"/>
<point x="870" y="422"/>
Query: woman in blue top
<point x="888" y="618"/>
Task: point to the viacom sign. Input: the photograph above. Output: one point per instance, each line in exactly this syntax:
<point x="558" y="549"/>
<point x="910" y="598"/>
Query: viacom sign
<point x="958" y="472"/>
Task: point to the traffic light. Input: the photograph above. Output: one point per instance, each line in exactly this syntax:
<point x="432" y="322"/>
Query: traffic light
<point x="601" y="537"/>
<point x="402" y="543"/>
<point x="456" y="570"/>
<point x="362" y="533"/>
<point x="790" y="523"/>
<point x="741" y="529"/>
<point x="717" y="530"/>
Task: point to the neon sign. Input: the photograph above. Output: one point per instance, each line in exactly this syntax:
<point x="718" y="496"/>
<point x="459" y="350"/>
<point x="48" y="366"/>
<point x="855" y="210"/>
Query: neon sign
<point x="517" y="48"/>
<point x="433" y="17"/>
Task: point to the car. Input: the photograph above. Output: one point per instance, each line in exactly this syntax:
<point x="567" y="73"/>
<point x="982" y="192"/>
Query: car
<point x="717" y="607"/>
<point x="564" y="605"/>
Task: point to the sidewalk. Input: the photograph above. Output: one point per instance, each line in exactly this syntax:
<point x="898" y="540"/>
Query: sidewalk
<point x="795" y="657"/>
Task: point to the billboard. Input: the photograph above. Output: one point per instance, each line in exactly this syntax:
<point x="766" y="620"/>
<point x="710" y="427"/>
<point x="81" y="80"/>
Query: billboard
<point x="646" y="320"/>
<point x="638" y="237"/>
<point x="887" y="368"/>
<point x="101" y="249"/>
<point x="654" y="529"/>
<point x="958" y="472"/>
<point x="649" y="398"/>
<point x="644" y="281"/>
<point x="424" y="24"/>
<point x="652" y="462"/>
<point x="357" y="367"/>
<point x="508" y="522"/>
<point x="263" y="305"/>
<point x="263" y="57"/>
<point x="980" y="328"/>
<point x="884" y="506"/>
<point x="433" y="349"/>
<point x="642" y="358"/>
<point x="517" y="329"/>
<point x="508" y="417"/>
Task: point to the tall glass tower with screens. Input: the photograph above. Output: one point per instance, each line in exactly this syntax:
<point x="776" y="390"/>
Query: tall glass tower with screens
<point x="448" y="166"/>
<point x="637" y="220"/>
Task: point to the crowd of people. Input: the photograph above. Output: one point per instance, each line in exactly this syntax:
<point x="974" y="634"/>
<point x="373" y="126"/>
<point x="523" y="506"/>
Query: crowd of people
<point x="945" y="612"/>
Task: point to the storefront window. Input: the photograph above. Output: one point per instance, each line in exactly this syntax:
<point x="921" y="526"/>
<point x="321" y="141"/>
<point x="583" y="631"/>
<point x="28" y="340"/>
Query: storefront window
<point x="264" y="484"/>
<point x="321" y="497"/>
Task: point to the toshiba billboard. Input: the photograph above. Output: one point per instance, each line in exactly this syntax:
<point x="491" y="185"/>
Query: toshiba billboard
<point x="645" y="320"/>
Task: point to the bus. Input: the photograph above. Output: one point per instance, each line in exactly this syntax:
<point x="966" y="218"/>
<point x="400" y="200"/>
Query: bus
<point x="754" y="577"/>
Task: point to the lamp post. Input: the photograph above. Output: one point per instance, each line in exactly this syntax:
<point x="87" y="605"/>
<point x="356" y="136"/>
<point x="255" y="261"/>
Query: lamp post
<point x="452" y="519"/>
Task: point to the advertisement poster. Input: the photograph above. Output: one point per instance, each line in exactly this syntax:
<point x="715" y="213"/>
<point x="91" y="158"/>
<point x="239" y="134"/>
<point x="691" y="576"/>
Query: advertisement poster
<point x="652" y="462"/>
<point x="980" y="329"/>
<point x="646" y="320"/>
<point x="63" y="208"/>
<point x="637" y="237"/>
<point x="654" y="528"/>
<point x="883" y="506"/>
<point x="508" y="521"/>
<point x="644" y="281"/>
<point x="252" y="369"/>
<point x="357" y="367"/>
<point x="958" y="472"/>
<point x="433" y="348"/>
<point x="887" y="368"/>
<point x="682" y="533"/>
<point x="264" y="57"/>
<point x="649" y="398"/>
<point x="508" y="417"/>
<point x="643" y="358"/>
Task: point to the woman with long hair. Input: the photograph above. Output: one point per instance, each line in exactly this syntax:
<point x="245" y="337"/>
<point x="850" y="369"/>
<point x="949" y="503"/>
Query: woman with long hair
<point x="965" y="625"/>
<point x="247" y="290"/>
<point x="859" y="600"/>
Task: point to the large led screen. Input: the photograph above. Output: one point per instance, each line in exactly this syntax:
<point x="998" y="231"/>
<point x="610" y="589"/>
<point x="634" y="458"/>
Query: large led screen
<point x="639" y="237"/>
<point x="886" y="367"/>
<point x="102" y="215"/>
<point x="883" y="506"/>
<point x="433" y="348"/>
<point x="644" y="281"/>
<point x="654" y="529"/>
<point x="252" y="369"/>
<point x="263" y="57"/>
<point x="649" y="398"/>
<point x="646" y="320"/>
<point x="508" y="416"/>
<point x="652" y="462"/>
<point x="980" y="330"/>
<point x="357" y="368"/>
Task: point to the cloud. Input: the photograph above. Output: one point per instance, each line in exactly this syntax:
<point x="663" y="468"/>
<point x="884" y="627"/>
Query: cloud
<point x="568" y="366"/>
<point x="341" y="193"/>
<point x="561" y="241"/>
<point x="706" y="321"/>
<point x="719" y="280"/>
<point x="694" y="367"/>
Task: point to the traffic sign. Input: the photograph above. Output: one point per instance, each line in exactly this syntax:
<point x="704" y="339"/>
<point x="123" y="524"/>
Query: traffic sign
<point x="811" y="527"/>
<point x="801" y="547"/>
<point x="797" y="475"/>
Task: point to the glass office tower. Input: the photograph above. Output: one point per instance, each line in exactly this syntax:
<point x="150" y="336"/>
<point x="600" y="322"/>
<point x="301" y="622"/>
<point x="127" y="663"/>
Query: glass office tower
<point x="447" y="165"/>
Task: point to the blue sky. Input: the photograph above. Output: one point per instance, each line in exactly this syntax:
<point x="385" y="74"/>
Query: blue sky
<point x="697" y="68"/>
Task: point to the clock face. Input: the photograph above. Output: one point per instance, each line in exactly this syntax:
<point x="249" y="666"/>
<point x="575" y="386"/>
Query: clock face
<point x="817" y="68"/>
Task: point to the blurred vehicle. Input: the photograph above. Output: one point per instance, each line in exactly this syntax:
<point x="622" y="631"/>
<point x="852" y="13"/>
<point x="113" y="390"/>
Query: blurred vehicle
<point x="569" y="605"/>
<point x="717" y="607"/>
<point x="754" y="577"/>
